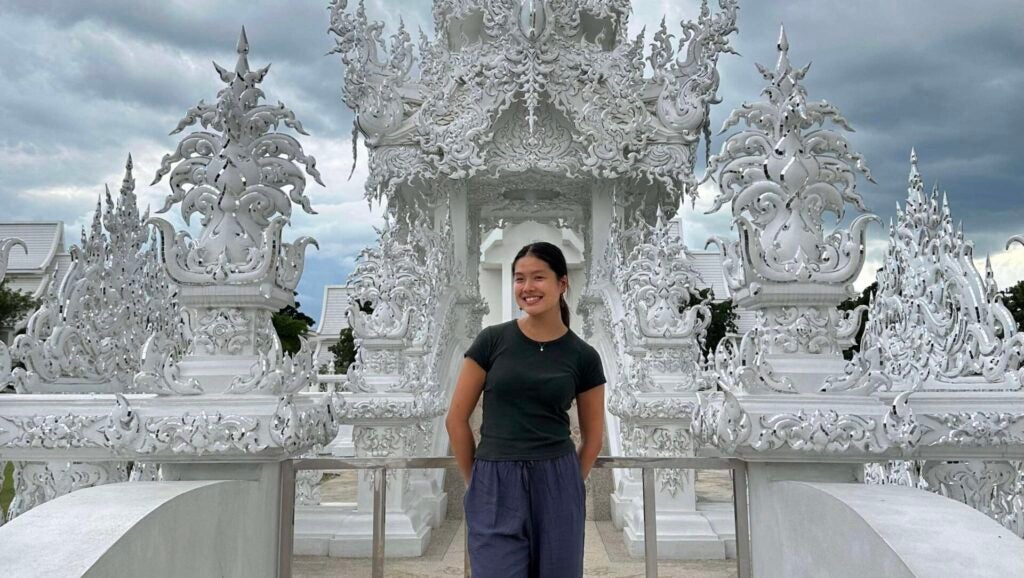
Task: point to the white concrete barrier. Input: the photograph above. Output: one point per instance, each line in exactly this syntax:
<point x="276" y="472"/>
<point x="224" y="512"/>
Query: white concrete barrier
<point x="152" y="529"/>
<point x="856" y="530"/>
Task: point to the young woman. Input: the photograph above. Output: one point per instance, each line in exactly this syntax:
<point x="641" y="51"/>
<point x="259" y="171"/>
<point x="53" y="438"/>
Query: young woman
<point x="525" y="496"/>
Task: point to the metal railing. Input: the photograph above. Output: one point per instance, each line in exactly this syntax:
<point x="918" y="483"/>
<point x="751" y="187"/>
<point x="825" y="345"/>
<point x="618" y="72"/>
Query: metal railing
<point x="380" y="466"/>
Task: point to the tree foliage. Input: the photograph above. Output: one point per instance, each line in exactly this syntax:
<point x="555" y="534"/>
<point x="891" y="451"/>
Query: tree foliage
<point x="723" y="321"/>
<point x="849" y="305"/>
<point x="14" y="305"/>
<point x="291" y="325"/>
<point x="1013" y="299"/>
<point x="344" y="351"/>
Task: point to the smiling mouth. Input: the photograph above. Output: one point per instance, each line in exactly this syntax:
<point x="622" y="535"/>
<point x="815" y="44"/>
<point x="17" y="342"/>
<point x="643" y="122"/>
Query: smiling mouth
<point x="531" y="300"/>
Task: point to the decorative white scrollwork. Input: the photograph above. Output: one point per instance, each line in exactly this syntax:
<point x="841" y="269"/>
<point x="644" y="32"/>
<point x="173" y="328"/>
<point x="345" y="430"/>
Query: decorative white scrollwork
<point x="38" y="482"/>
<point x="149" y="432"/>
<point x="781" y="177"/>
<point x="495" y="63"/>
<point x="114" y="297"/>
<point x="242" y="180"/>
<point x="935" y="320"/>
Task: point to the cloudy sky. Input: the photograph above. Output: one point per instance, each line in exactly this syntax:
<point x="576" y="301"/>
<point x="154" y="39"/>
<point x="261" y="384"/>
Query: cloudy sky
<point x="84" y="83"/>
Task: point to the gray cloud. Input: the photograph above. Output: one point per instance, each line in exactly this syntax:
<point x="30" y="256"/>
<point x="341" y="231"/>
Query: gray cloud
<point x="85" y="82"/>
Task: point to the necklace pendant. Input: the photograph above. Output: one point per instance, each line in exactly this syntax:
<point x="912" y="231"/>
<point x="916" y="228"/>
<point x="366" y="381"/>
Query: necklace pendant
<point x="542" y="348"/>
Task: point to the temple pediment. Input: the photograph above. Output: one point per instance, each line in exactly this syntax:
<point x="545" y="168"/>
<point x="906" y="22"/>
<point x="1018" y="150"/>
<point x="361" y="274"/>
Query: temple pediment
<point x="532" y="85"/>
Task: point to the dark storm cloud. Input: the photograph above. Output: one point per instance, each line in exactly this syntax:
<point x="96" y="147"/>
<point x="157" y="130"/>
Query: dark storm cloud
<point x="85" y="82"/>
<point x="942" y="76"/>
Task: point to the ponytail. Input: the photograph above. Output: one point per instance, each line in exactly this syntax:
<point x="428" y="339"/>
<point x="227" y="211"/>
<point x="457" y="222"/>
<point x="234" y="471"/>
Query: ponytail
<point x="564" y="307"/>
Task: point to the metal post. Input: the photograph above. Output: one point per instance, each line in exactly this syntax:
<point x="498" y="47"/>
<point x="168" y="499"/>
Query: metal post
<point x="650" y="525"/>
<point x="466" y="568"/>
<point x="380" y="483"/>
<point x="286" y="523"/>
<point x="742" y="513"/>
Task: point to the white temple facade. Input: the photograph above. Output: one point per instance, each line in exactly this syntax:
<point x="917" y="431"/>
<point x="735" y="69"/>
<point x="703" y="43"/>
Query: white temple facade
<point x="518" y="121"/>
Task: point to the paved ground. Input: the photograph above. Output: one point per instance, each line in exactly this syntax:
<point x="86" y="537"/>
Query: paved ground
<point x="605" y="552"/>
<point x="605" y="557"/>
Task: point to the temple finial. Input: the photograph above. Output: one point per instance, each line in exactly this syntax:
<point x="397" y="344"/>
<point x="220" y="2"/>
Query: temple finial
<point x="242" y="66"/>
<point x="243" y="43"/>
<point x="915" y="185"/>
<point x="783" y="44"/>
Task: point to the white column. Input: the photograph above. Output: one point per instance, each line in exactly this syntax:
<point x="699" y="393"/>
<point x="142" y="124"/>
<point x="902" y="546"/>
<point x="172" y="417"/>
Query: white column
<point x="507" y="299"/>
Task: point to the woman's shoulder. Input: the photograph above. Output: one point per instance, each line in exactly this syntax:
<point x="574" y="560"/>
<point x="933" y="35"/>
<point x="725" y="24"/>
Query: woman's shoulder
<point x="497" y="330"/>
<point x="587" y="349"/>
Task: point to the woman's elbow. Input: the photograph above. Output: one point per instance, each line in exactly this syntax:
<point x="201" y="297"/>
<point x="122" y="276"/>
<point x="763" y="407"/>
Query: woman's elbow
<point x="454" y="422"/>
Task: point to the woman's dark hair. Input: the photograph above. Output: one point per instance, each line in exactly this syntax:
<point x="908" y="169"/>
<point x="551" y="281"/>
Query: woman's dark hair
<point x="555" y="259"/>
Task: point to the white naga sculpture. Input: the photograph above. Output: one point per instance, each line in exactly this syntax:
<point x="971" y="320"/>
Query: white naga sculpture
<point x="781" y="175"/>
<point x="85" y="335"/>
<point x="937" y="375"/>
<point x="936" y="324"/>
<point x="188" y="319"/>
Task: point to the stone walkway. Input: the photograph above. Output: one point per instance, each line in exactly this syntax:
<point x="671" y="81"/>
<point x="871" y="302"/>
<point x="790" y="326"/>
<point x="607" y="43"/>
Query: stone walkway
<point x="605" y="553"/>
<point x="605" y="556"/>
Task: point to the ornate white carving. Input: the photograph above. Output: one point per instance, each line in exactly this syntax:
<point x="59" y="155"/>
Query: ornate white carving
<point x="663" y="440"/>
<point x="241" y="176"/>
<point x="39" y="482"/>
<point x="307" y="487"/>
<point x="660" y="288"/>
<point x="936" y="320"/>
<point x="146" y="427"/>
<point x="242" y="180"/>
<point x="780" y="178"/>
<point x="85" y="335"/>
<point x="530" y="60"/>
<point x="781" y="175"/>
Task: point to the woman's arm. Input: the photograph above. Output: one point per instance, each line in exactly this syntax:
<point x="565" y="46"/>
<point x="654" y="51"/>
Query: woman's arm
<point x="467" y="392"/>
<point x="590" y="408"/>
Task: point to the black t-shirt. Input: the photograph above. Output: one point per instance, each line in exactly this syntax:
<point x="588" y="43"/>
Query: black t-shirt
<point x="528" y="391"/>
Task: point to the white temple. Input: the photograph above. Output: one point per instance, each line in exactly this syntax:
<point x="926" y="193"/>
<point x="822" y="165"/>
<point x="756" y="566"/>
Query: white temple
<point x="518" y="121"/>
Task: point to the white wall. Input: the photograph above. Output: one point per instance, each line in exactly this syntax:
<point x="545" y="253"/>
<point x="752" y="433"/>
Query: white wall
<point x="152" y="529"/>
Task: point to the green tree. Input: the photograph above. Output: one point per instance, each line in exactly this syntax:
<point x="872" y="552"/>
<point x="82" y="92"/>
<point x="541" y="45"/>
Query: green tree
<point x="14" y="305"/>
<point x="290" y="325"/>
<point x="1013" y="299"/>
<point x="344" y="351"/>
<point x="849" y="305"/>
<point x="723" y="321"/>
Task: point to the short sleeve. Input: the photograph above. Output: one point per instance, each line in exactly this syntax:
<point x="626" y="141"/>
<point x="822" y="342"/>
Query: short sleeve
<point x="481" y="350"/>
<point x="592" y="371"/>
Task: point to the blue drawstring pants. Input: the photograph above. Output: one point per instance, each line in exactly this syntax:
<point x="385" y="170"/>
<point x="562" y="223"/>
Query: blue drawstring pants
<point x="525" y="518"/>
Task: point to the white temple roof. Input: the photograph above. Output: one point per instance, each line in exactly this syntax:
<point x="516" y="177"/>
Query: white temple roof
<point x="709" y="265"/>
<point x="43" y="239"/>
<point x="31" y="272"/>
<point x="332" y="314"/>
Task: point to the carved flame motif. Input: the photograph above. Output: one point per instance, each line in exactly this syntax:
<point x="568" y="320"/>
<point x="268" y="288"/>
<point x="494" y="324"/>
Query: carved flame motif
<point x="660" y="286"/>
<point x="781" y="175"/>
<point x="492" y="55"/>
<point x="936" y="317"/>
<point x="242" y="180"/>
<point x="115" y="295"/>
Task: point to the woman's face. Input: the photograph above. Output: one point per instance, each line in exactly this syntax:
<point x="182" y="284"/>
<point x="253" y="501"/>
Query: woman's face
<point x="537" y="289"/>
